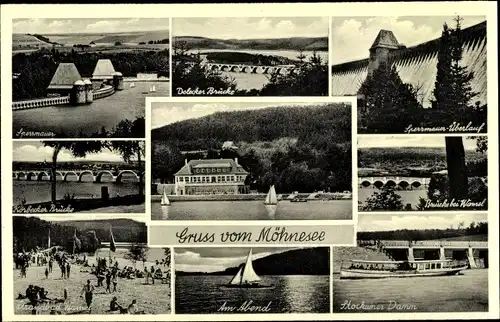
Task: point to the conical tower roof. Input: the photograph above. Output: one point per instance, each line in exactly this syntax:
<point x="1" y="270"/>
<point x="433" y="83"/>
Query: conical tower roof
<point x="385" y="38"/>
<point x="65" y="76"/>
<point x="104" y="69"/>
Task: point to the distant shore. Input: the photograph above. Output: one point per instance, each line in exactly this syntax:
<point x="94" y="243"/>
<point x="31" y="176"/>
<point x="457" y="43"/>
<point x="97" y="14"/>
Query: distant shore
<point x="139" y="80"/>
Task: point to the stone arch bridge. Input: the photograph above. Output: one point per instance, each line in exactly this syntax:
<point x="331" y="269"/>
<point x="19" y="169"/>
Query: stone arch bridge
<point x="251" y="69"/>
<point x="62" y="175"/>
<point x="400" y="182"/>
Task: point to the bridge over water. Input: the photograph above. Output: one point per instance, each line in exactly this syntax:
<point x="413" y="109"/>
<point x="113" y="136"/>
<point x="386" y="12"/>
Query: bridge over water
<point x="475" y="252"/>
<point x="63" y="175"/>
<point x="251" y="69"/>
<point x="401" y="182"/>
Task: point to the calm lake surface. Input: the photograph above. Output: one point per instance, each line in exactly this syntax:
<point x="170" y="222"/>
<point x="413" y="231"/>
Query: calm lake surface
<point x="40" y="191"/>
<point x="257" y="81"/>
<point x="87" y="119"/>
<point x="460" y="293"/>
<point x="298" y="293"/>
<point x="407" y="196"/>
<point x="252" y="210"/>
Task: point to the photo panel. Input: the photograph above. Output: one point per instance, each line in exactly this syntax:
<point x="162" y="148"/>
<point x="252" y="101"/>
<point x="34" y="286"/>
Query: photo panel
<point x="414" y="263"/>
<point x="70" y="266"/>
<point x="83" y="77"/>
<point x="78" y="176"/>
<point x="258" y="280"/>
<point x="422" y="173"/>
<point x="251" y="160"/>
<point x="250" y="56"/>
<point x="413" y="74"/>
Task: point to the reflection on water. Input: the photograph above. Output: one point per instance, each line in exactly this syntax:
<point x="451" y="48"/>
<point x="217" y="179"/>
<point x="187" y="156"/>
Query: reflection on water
<point x="88" y="119"/>
<point x="407" y="196"/>
<point x="40" y="191"/>
<point x="252" y="210"/>
<point x="248" y="81"/>
<point x="298" y="293"/>
<point x="459" y="293"/>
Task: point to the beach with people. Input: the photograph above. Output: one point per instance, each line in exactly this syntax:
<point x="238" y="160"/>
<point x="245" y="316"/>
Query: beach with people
<point x="106" y="282"/>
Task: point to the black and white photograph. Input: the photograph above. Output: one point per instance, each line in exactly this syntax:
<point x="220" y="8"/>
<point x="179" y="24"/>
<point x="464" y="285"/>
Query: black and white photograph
<point x="257" y="280"/>
<point x="414" y="263"/>
<point x="424" y="74"/>
<point x="419" y="173"/>
<point x="78" y="176"/>
<point x="258" y="56"/>
<point x="100" y="266"/>
<point x="251" y="161"/>
<point x="87" y="77"/>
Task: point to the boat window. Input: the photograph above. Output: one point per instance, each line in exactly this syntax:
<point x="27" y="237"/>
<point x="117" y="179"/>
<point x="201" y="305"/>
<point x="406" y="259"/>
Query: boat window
<point x="438" y="265"/>
<point x="427" y="266"/>
<point x="433" y="266"/>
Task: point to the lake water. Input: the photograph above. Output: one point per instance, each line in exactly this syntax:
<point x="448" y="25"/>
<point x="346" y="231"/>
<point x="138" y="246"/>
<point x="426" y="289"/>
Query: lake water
<point x="40" y="191"/>
<point x="291" y="294"/>
<point x="459" y="293"/>
<point x="407" y="196"/>
<point x="257" y="81"/>
<point x="252" y="210"/>
<point x="87" y="119"/>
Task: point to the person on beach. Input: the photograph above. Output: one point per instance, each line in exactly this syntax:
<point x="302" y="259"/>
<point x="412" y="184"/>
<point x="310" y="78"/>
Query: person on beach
<point x="88" y="289"/>
<point x="46" y="273"/>
<point x="115" y="281"/>
<point x="133" y="308"/>
<point x="146" y="273"/>
<point x="108" y="282"/>
<point x="63" y="270"/>
<point x="114" y="307"/>
<point x="68" y="269"/>
<point x="51" y="262"/>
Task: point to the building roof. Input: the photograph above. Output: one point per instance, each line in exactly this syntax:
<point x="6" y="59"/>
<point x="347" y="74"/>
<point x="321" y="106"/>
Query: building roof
<point x="65" y="76"/>
<point x="385" y="38"/>
<point x="417" y="65"/>
<point x="235" y="168"/>
<point x="103" y="69"/>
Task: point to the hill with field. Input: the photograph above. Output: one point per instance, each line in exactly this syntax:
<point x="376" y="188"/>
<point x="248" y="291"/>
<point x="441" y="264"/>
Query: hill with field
<point x="86" y="38"/>
<point x="294" y="43"/>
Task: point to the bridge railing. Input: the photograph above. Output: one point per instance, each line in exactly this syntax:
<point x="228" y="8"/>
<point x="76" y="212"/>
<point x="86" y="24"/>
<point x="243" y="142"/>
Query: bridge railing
<point x="40" y="102"/>
<point x="426" y="243"/>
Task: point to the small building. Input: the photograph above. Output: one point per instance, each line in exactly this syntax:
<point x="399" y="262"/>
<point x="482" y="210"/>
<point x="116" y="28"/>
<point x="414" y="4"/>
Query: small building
<point x="229" y="145"/>
<point x="104" y="70"/>
<point x="211" y="176"/>
<point x="64" y="79"/>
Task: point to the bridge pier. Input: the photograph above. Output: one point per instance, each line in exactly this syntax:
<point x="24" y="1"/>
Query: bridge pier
<point x="470" y="257"/>
<point x="410" y="254"/>
<point x="442" y="254"/>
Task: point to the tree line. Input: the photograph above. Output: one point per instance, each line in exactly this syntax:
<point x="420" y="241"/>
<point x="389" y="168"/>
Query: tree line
<point x="36" y="69"/>
<point x="475" y="228"/>
<point x="32" y="232"/>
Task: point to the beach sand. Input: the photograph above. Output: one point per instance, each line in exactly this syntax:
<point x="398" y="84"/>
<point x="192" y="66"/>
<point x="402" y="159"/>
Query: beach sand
<point x="153" y="299"/>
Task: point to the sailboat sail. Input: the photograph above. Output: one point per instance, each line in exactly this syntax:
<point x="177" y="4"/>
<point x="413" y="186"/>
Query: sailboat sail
<point x="132" y="85"/>
<point x="249" y="274"/>
<point x="237" y="278"/>
<point x="164" y="199"/>
<point x="271" y="198"/>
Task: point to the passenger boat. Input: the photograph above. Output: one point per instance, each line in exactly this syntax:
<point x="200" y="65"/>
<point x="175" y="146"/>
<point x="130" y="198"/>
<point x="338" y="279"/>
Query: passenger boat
<point x="298" y="200"/>
<point x="246" y="277"/>
<point x="359" y="269"/>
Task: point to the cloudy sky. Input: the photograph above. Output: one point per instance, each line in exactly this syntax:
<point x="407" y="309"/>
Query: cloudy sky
<point x="427" y="141"/>
<point x="383" y="222"/>
<point x="51" y="26"/>
<point x="163" y="113"/>
<point x="248" y="28"/>
<point x="36" y="152"/>
<point x="353" y="36"/>
<point x="208" y="259"/>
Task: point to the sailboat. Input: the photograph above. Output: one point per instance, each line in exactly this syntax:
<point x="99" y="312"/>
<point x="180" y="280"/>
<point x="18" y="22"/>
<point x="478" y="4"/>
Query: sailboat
<point x="152" y="89"/>
<point x="164" y="199"/>
<point x="271" y="198"/>
<point x="246" y="277"/>
<point x="132" y="85"/>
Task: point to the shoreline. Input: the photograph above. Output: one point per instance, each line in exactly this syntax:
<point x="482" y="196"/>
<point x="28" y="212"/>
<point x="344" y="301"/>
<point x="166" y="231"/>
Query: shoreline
<point x="241" y="197"/>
